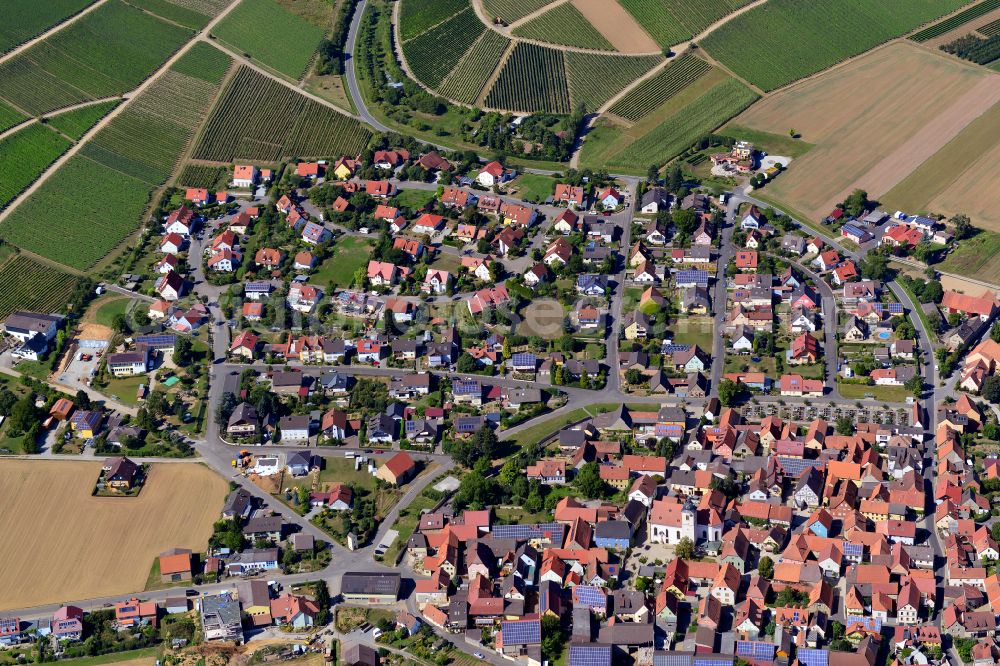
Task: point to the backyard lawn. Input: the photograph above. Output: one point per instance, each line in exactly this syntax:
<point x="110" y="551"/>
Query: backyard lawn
<point x="111" y="308"/>
<point x="125" y="388"/>
<point x="694" y="331"/>
<point x="532" y="187"/>
<point x="348" y="255"/>
<point x="412" y="199"/>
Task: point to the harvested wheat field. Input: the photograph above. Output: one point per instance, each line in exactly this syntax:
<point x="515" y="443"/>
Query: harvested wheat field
<point x="61" y="544"/>
<point x="872" y="122"/>
<point x="617" y="26"/>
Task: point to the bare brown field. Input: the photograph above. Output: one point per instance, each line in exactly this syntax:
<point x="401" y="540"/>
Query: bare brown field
<point x="966" y="286"/>
<point x="872" y="122"/>
<point x="617" y="26"/>
<point x="62" y="544"/>
<point x="974" y="192"/>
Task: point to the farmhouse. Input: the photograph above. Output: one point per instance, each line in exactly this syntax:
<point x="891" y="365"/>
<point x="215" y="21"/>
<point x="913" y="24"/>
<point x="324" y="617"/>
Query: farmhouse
<point x="175" y="565"/>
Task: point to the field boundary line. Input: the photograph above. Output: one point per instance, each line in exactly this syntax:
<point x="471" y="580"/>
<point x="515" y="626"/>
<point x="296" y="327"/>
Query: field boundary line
<point x="127" y="98"/>
<point x="462" y="59"/>
<point x="51" y="31"/>
<point x="18" y="127"/>
<point x="529" y="17"/>
<point x="490" y="82"/>
<point x="424" y="32"/>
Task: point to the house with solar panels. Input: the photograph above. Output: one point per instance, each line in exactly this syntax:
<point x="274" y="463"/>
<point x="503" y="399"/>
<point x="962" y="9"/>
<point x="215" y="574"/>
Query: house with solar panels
<point x="521" y="638"/>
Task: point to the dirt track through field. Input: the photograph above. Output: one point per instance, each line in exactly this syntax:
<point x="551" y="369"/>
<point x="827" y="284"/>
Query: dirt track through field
<point x="61" y="544"/>
<point x="617" y="26"/>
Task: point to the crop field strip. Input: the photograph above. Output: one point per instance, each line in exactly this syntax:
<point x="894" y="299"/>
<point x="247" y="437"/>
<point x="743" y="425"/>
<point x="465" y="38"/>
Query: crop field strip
<point x="566" y="26"/>
<point x="259" y="119"/>
<point x="696" y="15"/>
<point x="533" y="80"/>
<point x="9" y="116"/>
<point x="655" y="90"/>
<point x="174" y="12"/>
<point x="433" y="54"/>
<point x="681" y="129"/>
<point x="655" y="16"/>
<point x="204" y="62"/>
<point x="952" y="22"/>
<point x="24" y="155"/>
<point x="77" y="122"/>
<point x="418" y="16"/>
<point x="110" y="181"/>
<point x="991" y="29"/>
<point x="469" y="77"/>
<point x="271" y="35"/>
<point x="26" y="284"/>
<point x="509" y="11"/>
<point x="812" y="36"/>
<point x="199" y="175"/>
<point x="107" y="52"/>
<point x="26" y="19"/>
<point x="595" y="78"/>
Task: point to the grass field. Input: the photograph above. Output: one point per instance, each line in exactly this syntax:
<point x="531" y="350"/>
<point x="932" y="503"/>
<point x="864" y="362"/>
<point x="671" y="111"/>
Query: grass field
<point x="880" y="393"/>
<point x="106" y="52"/>
<point x="143" y="657"/>
<point x="436" y="52"/>
<point x="977" y="257"/>
<point x="418" y="16"/>
<point x="77" y="122"/>
<point x="694" y="331"/>
<point x="812" y="36"/>
<point x="466" y="81"/>
<point x="534" y="187"/>
<point x="176" y="509"/>
<point x="26" y="284"/>
<point x="258" y="119"/>
<point x="896" y="122"/>
<point x="774" y="144"/>
<point x="596" y="78"/>
<point x="272" y="35"/>
<point x="532" y="80"/>
<point x="564" y="25"/>
<point x="24" y="19"/>
<point x="24" y="155"/>
<point x="412" y="199"/>
<point x="348" y="255"/>
<point x="111" y="308"/>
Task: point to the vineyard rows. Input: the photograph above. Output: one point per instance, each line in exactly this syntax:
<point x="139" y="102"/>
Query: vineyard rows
<point x="655" y="16"/>
<point x="533" y="80"/>
<point x="466" y="81"/>
<point x="26" y="19"/>
<point x="509" y="11"/>
<point x="812" y="36"/>
<point x="97" y="198"/>
<point x="687" y="125"/>
<point x="26" y="284"/>
<point x="204" y="62"/>
<point x="77" y="122"/>
<point x="9" y="116"/>
<point x="991" y="29"/>
<point x="656" y="90"/>
<point x="24" y="155"/>
<point x="107" y="52"/>
<point x="174" y="12"/>
<point x="79" y="214"/>
<point x="146" y="139"/>
<point x="417" y="16"/>
<point x="595" y="78"/>
<point x="953" y="22"/>
<point x="258" y="119"/>
<point x="565" y="25"/>
<point x="436" y="52"/>
<point x="696" y="15"/>
<point x="272" y="35"/>
<point x="210" y="177"/>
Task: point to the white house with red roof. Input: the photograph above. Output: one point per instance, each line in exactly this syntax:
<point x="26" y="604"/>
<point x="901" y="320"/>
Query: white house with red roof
<point x="570" y="195"/>
<point x="224" y="261"/>
<point x="382" y="273"/>
<point x="244" y="175"/>
<point x="303" y="297"/>
<point x="167" y="264"/>
<point x="170" y="286"/>
<point x="172" y="243"/>
<point x="180" y="221"/>
<point x="436" y="281"/>
<point x="493" y="174"/>
<point x="609" y="198"/>
<point x="309" y="170"/>
<point x="488" y="299"/>
<point x="199" y="196"/>
<point x="428" y="224"/>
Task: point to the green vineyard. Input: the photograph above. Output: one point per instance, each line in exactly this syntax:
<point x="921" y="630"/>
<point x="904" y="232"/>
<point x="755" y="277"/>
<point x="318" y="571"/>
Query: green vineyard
<point x="436" y="52"/>
<point x="811" y="36"/>
<point x="467" y="80"/>
<point x="991" y="29"/>
<point x="509" y="11"/>
<point x="258" y="119"/>
<point x="417" y="16"/>
<point x="25" y="19"/>
<point x="25" y="154"/>
<point x="174" y="12"/>
<point x="655" y="90"/>
<point x="204" y="62"/>
<point x="26" y="284"/>
<point x="565" y="25"/>
<point x="107" y="52"/>
<point x="533" y="80"/>
<point x="953" y="22"/>
<point x="9" y="116"/>
<point x="77" y="122"/>
<point x="271" y="34"/>
<point x="655" y="16"/>
<point x="595" y="78"/>
<point x="210" y="177"/>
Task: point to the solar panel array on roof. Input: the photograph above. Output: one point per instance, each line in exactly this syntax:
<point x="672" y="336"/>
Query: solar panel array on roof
<point x="854" y="549"/>
<point x="756" y="650"/>
<point x="521" y="632"/>
<point x="813" y="657"/>
<point x="589" y="595"/>
<point x="795" y="466"/>
<point x="155" y="340"/>
<point x="869" y="623"/>
<point x="552" y="531"/>
<point x="712" y="661"/>
<point x="673" y="349"/>
<point x="589" y="655"/>
<point x="692" y="276"/>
